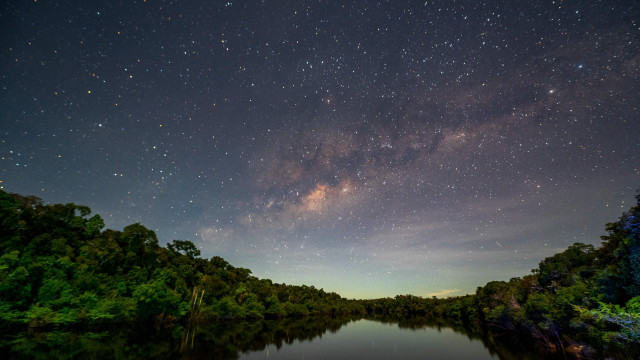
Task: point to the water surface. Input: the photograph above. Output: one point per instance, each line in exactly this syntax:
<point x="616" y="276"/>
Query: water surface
<point x="368" y="339"/>
<point x="352" y="338"/>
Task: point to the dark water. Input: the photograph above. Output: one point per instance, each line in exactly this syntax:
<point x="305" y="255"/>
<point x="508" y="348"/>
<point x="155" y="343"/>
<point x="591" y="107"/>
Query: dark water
<point x="304" y="338"/>
<point x="367" y="339"/>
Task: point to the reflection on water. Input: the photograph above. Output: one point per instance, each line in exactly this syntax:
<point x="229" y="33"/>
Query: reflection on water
<point x="299" y="338"/>
<point x="367" y="339"/>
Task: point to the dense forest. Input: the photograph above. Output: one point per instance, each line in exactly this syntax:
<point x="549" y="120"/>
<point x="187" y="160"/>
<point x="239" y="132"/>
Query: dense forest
<point x="583" y="295"/>
<point x="58" y="266"/>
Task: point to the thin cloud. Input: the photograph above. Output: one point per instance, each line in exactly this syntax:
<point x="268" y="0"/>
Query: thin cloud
<point x="443" y="292"/>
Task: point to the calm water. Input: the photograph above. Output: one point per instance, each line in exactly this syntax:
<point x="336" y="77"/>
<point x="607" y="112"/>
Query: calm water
<point x="305" y="338"/>
<point x="367" y="339"/>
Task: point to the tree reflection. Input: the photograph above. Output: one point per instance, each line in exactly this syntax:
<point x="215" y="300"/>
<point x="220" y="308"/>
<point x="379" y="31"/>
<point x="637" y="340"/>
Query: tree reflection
<point x="216" y="340"/>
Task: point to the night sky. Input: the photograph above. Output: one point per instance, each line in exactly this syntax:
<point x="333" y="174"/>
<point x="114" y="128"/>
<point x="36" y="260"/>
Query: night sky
<point x="370" y="148"/>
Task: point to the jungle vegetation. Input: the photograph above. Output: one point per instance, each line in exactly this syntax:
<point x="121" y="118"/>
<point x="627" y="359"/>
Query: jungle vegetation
<point x="59" y="266"/>
<point x="579" y="298"/>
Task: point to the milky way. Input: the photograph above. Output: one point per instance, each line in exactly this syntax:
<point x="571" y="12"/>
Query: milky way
<point x="368" y="148"/>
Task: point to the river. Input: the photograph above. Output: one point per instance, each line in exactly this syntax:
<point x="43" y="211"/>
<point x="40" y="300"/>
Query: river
<point x="353" y="338"/>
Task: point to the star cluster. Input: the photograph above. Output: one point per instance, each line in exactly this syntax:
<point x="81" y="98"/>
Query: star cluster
<point x="371" y="148"/>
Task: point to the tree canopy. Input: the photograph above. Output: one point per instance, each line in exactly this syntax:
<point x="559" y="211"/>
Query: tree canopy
<point x="58" y="265"/>
<point x="583" y="294"/>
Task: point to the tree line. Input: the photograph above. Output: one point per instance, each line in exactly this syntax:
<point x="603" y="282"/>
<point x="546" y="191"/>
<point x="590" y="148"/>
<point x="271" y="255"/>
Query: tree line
<point x="583" y="295"/>
<point x="58" y="266"/>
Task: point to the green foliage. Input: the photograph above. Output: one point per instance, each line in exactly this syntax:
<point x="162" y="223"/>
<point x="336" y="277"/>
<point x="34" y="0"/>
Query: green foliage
<point x="583" y="292"/>
<point x="295" y="309"/>
<point x="558" y="269"/>
<point x="14" y="280"/>
<point x="184" y="247"/>
<point x="613" y="322"/>
<point x="253" y="308"/>
<point x="227" y="307"/>
<point x="58" y="266"/>
<point x="273" y="307"/>
<point x="633" y="305"/>
<point x="156" y="298"/>
<point x="629" y="253"/>
<point x="606" y="285"/>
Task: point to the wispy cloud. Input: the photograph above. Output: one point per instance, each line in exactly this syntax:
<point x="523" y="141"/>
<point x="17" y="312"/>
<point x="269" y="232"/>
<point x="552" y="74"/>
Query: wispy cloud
<point x="443" y="292"/>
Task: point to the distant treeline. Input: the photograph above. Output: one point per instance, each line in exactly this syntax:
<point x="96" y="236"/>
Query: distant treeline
<point x="580" y="296"/>
<point x="58" y="266"/>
